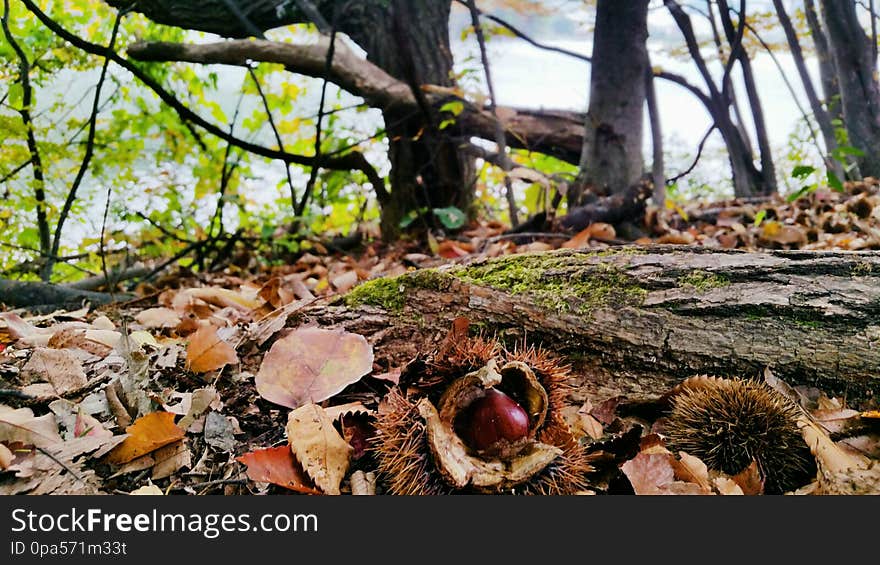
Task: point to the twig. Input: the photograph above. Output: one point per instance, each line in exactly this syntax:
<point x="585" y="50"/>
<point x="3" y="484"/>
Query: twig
<point x="350" y="161"/>
<point x="87" y="157"/>
<point x="300" y="207"/>
<point x="696" y="159"/>
<point x="278" y="139"/>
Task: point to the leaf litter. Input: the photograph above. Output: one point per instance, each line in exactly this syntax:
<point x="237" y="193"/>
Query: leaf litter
<point x="216" y="380"/>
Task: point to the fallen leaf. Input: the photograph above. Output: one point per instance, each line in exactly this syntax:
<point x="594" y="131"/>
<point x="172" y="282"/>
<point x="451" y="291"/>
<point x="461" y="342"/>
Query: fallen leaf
<point x="278" y="466"/>
<point x="692" y="470"/>
<point x="274" y="293"/>
<point x="21" y="425"/>
<point x="6" y="457"/>
<point x="222" y="297"/>
<point x="598" y="230"/>
<point x="59" y="367"/>
<point x="336" y="412"/>
<point x="749" y="480"/>
<point x="96" y="342"/>
<point x="149" y="489"/>
<point x="170" y="459"/>
<point x="148" y="433"/>
<point x="345" y="281"/>
<point x="318" y="447"/>
<point x="591" y="426"/>
<point x="207" y="352"/>
<point x="648" y="472"/>
<point x="727" y="486"/>
<point x="197" y="403"/>
<point x="311" y="365"/>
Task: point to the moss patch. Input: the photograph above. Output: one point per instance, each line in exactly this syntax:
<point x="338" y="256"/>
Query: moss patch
<point x="703" y="280"/>
<point x="564" y="282"/>
<point x="390" y="293"/>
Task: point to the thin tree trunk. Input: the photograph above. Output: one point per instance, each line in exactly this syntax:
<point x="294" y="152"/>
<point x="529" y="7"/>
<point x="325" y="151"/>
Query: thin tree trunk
<point x="740" y="120"/>
<point x="860" y="92"/>
<point x="819" y="112"/>
<point x="768" y="169"/>
<point x="658" y="174"/>
<point x="827" y="72"/>
<point x="747" y="180"/>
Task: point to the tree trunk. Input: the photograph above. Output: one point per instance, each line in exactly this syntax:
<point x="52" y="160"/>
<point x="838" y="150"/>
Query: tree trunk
<point x="827" y="73"/>
<point x="822" y="117"/>
<point x="611" y="160"/>
<point x="637" y="321"/>
<point x="768" y="169"/>
<point x="410" y="41"/>
<point x="747" y="179"/>
<point x="860" y="92"/>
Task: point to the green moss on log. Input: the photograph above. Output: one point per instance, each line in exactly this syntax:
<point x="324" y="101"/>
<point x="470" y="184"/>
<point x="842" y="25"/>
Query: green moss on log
<point x="561" y="281"/>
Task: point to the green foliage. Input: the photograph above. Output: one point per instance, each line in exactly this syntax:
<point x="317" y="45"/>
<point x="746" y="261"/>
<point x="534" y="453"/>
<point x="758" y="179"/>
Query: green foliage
<point x="146" y="159"/>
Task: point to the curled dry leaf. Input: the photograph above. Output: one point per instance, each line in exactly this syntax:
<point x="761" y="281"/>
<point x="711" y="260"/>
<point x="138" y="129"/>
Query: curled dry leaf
<point x="158" y="318"/>
<point x="278" y="466"/>
<point x="222" y="297"/>
<point x="148" y="433"/>
<point x="318" y="446"/>
<point x="207" y="352"/>
<point x="311" y="365"/>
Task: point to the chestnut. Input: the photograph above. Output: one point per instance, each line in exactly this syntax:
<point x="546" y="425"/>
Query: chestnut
<point x="492" y="418"/>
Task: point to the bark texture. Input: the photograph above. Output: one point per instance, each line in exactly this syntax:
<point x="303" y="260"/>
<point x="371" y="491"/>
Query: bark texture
<point x="611" y="160"/>
<point x="635" y="322"/>
<point x="859" y="89"/>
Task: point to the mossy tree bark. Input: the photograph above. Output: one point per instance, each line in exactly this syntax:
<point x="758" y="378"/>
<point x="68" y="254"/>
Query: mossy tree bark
<point x="635" y="322"/>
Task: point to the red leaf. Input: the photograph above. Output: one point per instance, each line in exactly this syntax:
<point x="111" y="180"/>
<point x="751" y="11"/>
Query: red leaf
<point x="278" y="466"/>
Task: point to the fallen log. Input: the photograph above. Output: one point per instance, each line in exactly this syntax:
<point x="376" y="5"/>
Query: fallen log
<point x="636" y="321"/>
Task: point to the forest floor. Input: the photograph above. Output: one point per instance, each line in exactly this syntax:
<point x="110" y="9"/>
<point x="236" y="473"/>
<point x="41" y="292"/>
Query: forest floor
<point x="198" y="385"/>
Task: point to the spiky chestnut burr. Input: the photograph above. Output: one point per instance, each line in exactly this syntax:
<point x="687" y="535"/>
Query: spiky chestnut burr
<point x="411" y="447"/>
<point x="729" y="422"/>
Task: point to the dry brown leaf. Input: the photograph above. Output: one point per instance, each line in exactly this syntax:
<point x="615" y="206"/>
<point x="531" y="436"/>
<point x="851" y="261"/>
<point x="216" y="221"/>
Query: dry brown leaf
<point x="223" y="297"/>
<point x="648" y="472"/>
<point x="692" y="470"/>
<point x="158" y="318"/>
<point x="318" y="447"/>
<point x="727" y="486"/>
<point x="311" y="365"/>
<point x="21" y="425"/>
<point x="591" y="426"/>
<point x="344" y="282"/>
<point x="6" y="457"/>
<point x="207" y="352"/>
<point x="59" y="367"/>
<point x="148" y="433"/>
<point x="275" y="294"/>
<point x="277" y="465"/>
<point x="94" y="341"/>
<point x="749" y="480"/>
<point x="170" y="459"/>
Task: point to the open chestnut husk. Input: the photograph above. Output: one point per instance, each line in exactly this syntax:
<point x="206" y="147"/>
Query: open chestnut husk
<point x="480" y="419"/>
